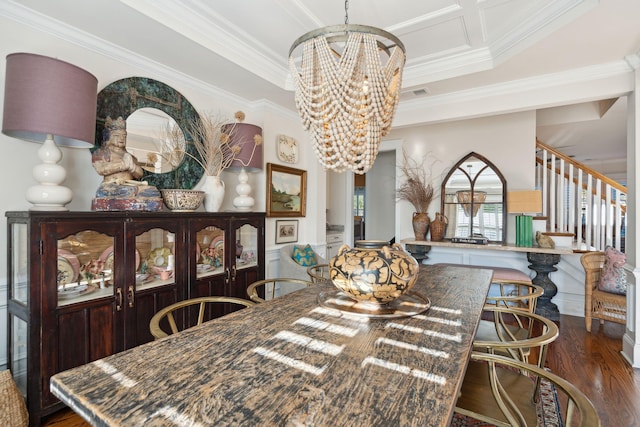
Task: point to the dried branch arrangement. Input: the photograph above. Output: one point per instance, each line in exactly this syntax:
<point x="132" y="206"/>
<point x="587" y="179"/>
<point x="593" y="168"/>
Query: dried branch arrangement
<point x="212" y="136"/>
<point x="211" y="139"/>
<point x="417" y="189"/>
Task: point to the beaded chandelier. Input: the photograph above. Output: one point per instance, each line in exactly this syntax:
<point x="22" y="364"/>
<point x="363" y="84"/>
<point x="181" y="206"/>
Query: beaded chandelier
<point x="347" y="87"/>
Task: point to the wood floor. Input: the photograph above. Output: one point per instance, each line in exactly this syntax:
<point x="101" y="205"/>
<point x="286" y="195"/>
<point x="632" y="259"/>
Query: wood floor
<point x="592" y="362"/>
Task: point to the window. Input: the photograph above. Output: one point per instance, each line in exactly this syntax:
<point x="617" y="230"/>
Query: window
<point x="358" y="201"/>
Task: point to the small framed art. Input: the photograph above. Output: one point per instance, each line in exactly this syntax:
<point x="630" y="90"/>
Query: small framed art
<point x="286" y="191"/>
<point x="286" y="231"/>
<point x="287" y="149"/>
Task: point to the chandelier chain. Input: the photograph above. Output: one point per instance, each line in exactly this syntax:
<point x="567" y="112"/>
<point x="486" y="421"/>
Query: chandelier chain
<point x="346" y="12"/>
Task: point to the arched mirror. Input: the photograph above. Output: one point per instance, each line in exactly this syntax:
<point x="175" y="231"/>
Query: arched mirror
<point x="473" y="199"/>
<point x="152" y="103"/>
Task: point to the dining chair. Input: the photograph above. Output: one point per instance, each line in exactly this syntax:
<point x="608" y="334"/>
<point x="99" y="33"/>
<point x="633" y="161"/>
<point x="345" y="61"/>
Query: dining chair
<point x="319" y="274"/>
<point x="506" y="392"/>
<point x="173" y="311"/>
<point x="515" y="294"/>
<point x="514" y="333"/>
<point x="260" y="290"/>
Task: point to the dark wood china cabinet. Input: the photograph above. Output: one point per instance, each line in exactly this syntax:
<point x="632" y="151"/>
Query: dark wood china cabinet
<point x="84" y="285"/>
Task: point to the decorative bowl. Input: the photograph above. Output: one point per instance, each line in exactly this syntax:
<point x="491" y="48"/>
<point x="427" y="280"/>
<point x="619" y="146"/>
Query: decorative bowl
<point x="179" y="200"/>
<point x="371" y="274"/>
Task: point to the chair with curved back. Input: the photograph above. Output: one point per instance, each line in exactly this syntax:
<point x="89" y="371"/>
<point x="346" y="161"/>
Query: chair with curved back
<point x="319" y="274"/>
<point x="515" y="294"/>
<point x="517" y="333"/>
<point x="176" y="310"/>
<point x="508" y="394"/>
<point x="600" y="304"/>
<point x="260" y="290"/>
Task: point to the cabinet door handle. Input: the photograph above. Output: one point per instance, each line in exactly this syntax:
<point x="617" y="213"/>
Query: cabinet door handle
<point x="130" y="296"/>
<point x="118" y="299"/>
<point x="226" y="276"/>
<point x="233" y="273"/>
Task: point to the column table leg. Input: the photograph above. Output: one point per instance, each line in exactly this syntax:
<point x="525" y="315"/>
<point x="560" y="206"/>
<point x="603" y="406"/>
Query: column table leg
<point x="543" y="264"/>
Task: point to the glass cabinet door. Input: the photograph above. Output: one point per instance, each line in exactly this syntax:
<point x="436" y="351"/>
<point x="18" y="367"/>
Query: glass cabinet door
<point x="19" y="267"/>
<point x="246" y="246"/>
<point x="210" y="251"/>
<point x="156" y="250"/>
<point x="86" y="267"/>
<point x="246" y="267"/>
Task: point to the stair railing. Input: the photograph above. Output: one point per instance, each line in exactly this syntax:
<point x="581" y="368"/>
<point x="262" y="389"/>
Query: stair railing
<point x="579" y="200"/>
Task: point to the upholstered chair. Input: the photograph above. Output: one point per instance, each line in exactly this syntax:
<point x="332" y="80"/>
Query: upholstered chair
<point x="297" y="268"/>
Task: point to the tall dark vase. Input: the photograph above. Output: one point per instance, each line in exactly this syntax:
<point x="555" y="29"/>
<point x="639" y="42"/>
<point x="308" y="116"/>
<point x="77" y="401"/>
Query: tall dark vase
<point x="421" y="223"/>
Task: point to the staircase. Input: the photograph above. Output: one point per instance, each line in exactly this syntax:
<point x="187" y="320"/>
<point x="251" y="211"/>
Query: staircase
<point x="579" y="200"/>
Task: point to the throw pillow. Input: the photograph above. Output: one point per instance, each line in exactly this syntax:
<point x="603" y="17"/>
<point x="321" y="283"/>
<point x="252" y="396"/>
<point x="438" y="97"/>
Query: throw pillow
<point x="13" y="411"/>
<point x="613" y="278"/>
<point x="305" y="256"/>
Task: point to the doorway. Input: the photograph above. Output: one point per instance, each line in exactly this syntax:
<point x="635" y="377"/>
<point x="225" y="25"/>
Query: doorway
<point x="379" y="206"/>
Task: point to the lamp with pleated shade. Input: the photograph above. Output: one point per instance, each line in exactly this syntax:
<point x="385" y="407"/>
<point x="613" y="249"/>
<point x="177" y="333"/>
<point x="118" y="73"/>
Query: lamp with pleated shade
<point x="51" y="102"/>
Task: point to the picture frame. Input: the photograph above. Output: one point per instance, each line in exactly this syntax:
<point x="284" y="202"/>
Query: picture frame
<point x="286" y="231"/>
<point x="286" y="191"/>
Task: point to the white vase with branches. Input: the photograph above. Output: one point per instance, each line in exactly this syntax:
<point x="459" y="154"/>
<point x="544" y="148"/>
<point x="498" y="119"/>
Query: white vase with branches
<point x="212" y="138"/>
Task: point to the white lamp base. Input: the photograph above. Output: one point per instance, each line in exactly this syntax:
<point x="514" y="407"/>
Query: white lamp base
<point x="243" y="202"/>
<point x="49" y="195"/>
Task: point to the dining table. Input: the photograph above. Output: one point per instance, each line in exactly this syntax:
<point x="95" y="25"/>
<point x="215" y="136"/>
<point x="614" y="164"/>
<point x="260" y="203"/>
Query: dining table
<point x="308" y="358"/>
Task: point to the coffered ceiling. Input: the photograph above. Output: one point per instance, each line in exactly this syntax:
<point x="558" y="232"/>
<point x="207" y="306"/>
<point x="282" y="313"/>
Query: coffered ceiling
<point x="453" y="46"/>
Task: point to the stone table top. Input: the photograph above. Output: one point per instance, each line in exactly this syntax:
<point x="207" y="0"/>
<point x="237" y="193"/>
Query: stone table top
<point x="291" y="361"/>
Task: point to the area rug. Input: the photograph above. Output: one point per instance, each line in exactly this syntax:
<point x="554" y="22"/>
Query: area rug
<point x="548" y="410"/>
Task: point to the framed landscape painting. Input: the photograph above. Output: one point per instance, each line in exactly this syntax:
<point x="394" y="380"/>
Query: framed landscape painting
<point x="286" y="191"/>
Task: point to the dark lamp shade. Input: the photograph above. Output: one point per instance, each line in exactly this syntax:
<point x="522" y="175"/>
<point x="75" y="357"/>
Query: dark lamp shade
<point x="43" y="96"/>
<point x="243" y="134"/>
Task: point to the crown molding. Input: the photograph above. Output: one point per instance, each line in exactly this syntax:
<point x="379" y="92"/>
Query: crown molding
<point x="633" y="60"/>
<point x="421" y="71"/>
<point x="23" y="15"/>
<point x="206" y="27"/>
<point x="516" y="95"/>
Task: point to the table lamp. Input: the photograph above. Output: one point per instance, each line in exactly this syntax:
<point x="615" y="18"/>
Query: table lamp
<point x="52" y="102"/>
<point x="523" y="202"/>
<point x="249" y="159"/>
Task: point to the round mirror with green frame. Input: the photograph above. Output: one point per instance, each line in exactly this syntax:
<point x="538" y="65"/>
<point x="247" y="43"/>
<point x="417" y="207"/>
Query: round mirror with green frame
<point x="123" y="97"/>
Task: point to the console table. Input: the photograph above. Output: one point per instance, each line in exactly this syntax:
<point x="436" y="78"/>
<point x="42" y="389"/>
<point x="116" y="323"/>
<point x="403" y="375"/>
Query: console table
<point x="541" y="260"/>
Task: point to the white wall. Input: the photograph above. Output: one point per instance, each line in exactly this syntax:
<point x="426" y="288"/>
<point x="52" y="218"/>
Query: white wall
<point x="508" y="141"/>
<point x="380" y="218"/>
<point x="336" y="198"/>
